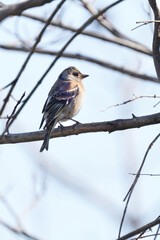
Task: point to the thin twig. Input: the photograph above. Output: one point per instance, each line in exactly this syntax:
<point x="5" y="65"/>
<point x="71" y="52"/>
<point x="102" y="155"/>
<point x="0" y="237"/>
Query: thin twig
<point x="11" y="210"/>
<point x="141" y="229"/>
<point x="148" y="21"/>
<point x="157" y="232"/>
<point x="12" y="114"/>
<point x="146" y="174"/>
<point x="142" y="233"/>
<point x="144" y="23"/>
<point x="131" y="100"/>
<point x="19" y="232"/>
<point x="146" y="236"/>
<point x="156" y="104"/>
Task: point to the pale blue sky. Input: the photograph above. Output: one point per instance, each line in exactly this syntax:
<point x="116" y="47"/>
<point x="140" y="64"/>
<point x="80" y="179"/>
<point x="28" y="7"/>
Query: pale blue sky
<point x="100" y="162"/>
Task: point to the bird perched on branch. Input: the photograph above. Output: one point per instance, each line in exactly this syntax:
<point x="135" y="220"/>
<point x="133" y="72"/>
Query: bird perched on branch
<point x="64" y="101"/>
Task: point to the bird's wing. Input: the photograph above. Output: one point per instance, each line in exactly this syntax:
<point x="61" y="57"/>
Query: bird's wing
<point x="57" y="101"/>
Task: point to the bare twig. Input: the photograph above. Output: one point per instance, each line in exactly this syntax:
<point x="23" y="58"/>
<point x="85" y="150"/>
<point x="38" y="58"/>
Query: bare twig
<point x="19" y="232"/>
<point x="148" y="21"/>
<point x="156" y="104"/>
<point x="36" y="199"/>
<point x="84" y="58"/>
<point x="18" y="8"/>
<point x="144" y="23"/>
<point x="131" y="100"/>
<point x="110" y="126"/>
<point x="129" y="194"/>
<point x="141" y="234"/>
<point x="12" y="114"/>
<point x="138" y="26"/>
<point x="146" y="174"/>
<point x="10" y="210"/>
<point x="157" y="232"/>
<point x="13" y="83"/>
<point x="146" y="236"/>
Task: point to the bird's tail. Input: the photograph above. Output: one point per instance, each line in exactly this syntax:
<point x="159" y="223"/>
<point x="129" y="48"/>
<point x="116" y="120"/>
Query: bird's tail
<point x="45" y="144"/>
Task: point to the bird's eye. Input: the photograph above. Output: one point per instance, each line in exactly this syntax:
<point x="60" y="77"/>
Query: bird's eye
<point x="75" y="74"/>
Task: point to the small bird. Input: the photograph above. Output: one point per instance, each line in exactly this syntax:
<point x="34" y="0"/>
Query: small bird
<point x="64" y="101"/>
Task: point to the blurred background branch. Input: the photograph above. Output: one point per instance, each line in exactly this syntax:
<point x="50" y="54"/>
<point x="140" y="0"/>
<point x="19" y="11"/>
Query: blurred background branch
<point x="18" y="8"/>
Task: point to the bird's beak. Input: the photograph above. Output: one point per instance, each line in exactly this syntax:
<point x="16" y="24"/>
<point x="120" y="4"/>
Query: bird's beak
<point x="84" y="76"/>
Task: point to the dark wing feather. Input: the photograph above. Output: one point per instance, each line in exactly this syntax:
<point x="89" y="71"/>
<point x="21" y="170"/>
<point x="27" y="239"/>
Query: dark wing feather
<point x="55" y="104"/>
<point x="54" y="110"/>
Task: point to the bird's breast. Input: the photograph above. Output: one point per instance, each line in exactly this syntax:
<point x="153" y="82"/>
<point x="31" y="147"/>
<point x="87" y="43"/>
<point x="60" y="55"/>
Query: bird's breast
<point x="74" y="105"/>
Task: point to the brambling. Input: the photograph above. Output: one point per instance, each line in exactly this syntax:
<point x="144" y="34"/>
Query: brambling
<point x="64" y="101"/>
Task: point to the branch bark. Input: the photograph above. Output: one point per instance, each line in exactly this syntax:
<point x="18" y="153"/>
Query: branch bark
<point x="110" y="126"/>
<point x="140" y="230"/>
<point x="156" y="37"/>
<point x="18" y="8"/>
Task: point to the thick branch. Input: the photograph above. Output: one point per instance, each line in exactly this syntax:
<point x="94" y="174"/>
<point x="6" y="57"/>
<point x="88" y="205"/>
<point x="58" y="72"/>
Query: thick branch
<point x="111" y="126"/>
<point x="156" y="37"/>
<point x="88" y="59"/>
<point x="18" y="8"/>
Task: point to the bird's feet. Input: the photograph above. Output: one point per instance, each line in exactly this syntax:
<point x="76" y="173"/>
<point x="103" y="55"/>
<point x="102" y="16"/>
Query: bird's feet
<point x="60" y="125"/>
<point x="76" y="122"/>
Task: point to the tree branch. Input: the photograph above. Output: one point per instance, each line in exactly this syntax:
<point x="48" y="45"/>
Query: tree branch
<point x="16" y="231"/>
<point x="18" y="8"/>
<point x="103" y="21"/>
<point x="85" y="58"/>
<point x="156" y="37"/>
<point x="140" y="230"/>
<point x="110" y="126"/>
<point x="12" y="114"/>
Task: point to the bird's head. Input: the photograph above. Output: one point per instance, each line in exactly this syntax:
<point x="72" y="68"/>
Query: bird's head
<point x="72" y="73"/>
